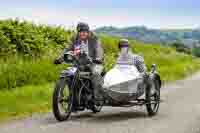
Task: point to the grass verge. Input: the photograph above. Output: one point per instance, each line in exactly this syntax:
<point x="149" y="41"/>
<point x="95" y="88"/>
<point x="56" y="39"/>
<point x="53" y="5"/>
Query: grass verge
<point x="24" y="101"/>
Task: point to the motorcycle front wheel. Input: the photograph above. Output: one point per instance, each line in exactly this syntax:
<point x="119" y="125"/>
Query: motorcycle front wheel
<point x="62" y="100"/>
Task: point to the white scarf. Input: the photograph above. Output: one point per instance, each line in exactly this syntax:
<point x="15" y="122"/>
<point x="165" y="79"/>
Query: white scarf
<point x="84" y="47"/>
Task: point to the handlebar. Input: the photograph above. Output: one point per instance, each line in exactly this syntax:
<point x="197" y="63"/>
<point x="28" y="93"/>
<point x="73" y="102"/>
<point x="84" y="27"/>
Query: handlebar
<point x="73" y="57"/>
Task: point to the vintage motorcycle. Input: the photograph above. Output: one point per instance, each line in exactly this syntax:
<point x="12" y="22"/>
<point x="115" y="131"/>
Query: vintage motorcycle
<point x="74" y="90"/>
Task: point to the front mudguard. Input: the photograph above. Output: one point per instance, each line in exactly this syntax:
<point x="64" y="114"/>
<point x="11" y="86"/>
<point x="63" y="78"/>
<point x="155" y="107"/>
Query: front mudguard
<point x="156" y="76"/>
<point x="69" y="72"/>
<point x="69" y="75"/>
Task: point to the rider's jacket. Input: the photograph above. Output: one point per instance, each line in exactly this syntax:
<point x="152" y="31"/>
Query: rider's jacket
<point x="92" y="47"/>
<point x="132" y="59"/>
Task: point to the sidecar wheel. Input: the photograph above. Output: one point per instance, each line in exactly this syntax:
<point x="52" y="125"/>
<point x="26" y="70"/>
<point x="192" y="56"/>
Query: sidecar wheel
<point x="153" y="98"/>
<point x="62" y="100"/>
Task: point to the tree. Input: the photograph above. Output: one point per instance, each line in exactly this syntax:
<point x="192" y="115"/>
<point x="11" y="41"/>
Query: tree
<point x="180" y="47"/>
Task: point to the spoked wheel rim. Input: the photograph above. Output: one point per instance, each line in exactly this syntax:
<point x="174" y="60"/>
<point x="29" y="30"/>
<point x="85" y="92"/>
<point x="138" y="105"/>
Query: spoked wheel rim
<point x="64" y="101"/>
<point x="154" y="97"/>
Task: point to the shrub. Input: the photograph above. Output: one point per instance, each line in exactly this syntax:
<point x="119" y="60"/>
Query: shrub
<point x="196" y="51"/>
<point x="29" y="39"/>
<point x="180" y="47"/>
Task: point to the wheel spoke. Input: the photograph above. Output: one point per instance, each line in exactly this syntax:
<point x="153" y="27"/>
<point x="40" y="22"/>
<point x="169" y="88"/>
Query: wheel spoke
<point x="66" y="100"/>
<point x="153" y="98"/>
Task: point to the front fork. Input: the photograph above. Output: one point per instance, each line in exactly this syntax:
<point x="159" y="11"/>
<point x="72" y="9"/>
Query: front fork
<point x="70" y="74"/>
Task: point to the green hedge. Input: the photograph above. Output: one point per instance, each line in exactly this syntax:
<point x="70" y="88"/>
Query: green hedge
<point x="30" y="39"/>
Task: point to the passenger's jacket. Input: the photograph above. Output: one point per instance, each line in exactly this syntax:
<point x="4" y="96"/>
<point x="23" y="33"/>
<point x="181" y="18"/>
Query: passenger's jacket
<point x="132" y="59"/>
<point x="95" y="50"/>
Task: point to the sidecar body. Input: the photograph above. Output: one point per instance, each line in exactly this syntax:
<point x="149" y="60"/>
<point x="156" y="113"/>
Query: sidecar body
<point x="124" y="83"/>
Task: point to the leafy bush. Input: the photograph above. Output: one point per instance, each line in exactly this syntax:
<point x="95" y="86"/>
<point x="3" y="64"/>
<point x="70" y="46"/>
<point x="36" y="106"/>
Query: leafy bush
<point x="180" y="47"/>
<point x="196" y="51"/>
<point x="29" y="39"/>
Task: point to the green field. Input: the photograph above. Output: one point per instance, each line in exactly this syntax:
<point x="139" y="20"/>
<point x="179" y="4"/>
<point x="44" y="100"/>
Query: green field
<point x="27" y="73"/>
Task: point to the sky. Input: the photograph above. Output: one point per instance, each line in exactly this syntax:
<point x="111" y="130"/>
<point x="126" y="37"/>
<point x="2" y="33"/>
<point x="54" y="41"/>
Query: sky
<point x="159" y="14"/>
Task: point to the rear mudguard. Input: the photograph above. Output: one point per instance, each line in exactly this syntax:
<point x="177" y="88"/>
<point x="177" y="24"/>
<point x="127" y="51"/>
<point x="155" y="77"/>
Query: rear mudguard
<point x="69" y="72"/>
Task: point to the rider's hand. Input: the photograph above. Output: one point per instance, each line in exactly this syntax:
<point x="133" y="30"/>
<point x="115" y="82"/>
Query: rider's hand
<point x="57" y="61"/>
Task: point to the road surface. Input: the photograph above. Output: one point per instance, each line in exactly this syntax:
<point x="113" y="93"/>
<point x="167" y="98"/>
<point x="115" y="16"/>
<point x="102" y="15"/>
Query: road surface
<point x="179" y="113"/>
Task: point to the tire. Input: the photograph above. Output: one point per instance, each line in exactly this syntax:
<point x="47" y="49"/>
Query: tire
<point x="153" y="99"/>
<point x="59" y="100"/>
<point x="97" y="108"/>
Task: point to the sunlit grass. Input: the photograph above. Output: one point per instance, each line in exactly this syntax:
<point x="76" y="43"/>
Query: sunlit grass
<point x="16" y="72"/>
<point x="24" y="101"/>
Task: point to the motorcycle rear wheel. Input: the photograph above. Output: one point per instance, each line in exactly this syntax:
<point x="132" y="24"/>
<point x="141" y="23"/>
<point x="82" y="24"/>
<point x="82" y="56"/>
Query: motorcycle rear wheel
<point x="62" y="100"/>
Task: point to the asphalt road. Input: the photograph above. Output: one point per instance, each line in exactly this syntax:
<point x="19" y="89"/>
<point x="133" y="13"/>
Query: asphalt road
<point x="179" y="113"/>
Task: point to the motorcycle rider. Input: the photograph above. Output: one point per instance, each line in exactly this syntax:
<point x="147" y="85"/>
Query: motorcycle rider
<point x="86" y="42"/>
<point x="127" y="57"/>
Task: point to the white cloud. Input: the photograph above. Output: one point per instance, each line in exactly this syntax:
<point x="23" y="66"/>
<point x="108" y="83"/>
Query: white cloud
<point x="70" y="17"/>
<point x="101" y="17"/>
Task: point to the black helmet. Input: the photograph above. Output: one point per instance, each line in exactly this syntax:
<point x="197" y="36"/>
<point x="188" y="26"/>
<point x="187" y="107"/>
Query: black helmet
<point x="82" y="27"/>
<point x="123" y="43"/>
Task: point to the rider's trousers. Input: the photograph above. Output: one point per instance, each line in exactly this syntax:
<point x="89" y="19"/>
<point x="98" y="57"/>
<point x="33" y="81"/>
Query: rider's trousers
<point x="97" y="80"/>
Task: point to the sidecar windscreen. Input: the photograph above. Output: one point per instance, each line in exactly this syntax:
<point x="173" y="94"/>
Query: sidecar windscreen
<point x="68" y="58"/>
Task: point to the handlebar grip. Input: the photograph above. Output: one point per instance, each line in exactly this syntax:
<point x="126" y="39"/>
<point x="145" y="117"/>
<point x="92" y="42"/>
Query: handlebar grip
<point x="97" y="61"/>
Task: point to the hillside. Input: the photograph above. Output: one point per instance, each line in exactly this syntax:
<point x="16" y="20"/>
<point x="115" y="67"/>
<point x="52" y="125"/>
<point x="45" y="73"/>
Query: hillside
<point x="189" y="37"/>
<point x="27" y="73"/>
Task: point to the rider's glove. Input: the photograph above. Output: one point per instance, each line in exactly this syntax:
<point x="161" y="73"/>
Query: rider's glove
<point x="57" y="61"/>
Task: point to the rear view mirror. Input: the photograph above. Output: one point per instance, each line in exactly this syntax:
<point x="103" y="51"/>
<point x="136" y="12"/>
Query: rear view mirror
<point x="68" y="58"/>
